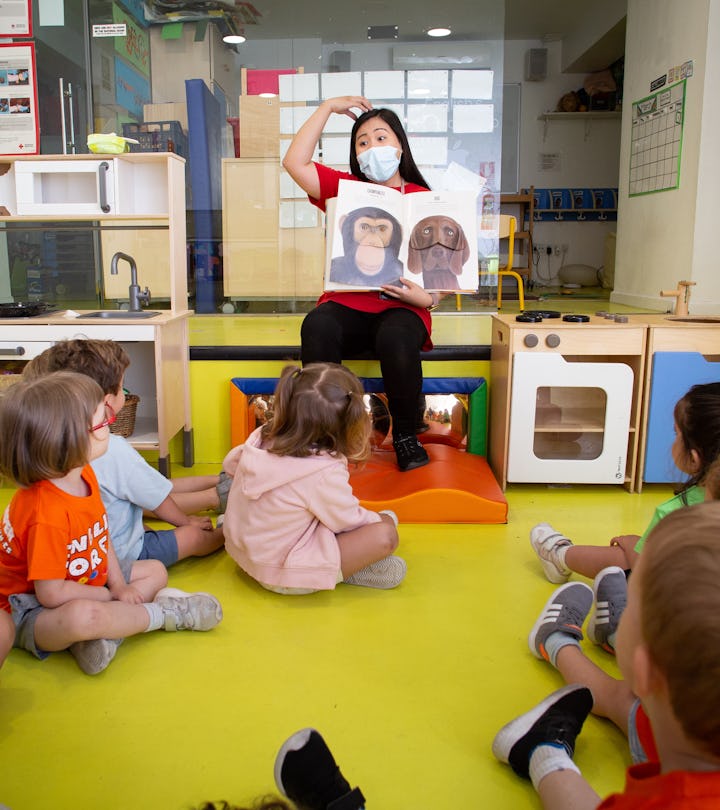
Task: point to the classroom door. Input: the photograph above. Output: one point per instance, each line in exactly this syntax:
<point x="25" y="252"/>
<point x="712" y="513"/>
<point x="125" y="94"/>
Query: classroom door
<point x="63" y="76"/>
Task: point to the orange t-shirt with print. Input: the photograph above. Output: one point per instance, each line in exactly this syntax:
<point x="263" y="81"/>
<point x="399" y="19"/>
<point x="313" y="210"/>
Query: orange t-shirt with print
<point x="47" y="533"/>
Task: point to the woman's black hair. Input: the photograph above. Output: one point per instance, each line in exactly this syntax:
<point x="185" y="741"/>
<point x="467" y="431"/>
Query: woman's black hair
<point x="408" y="169"/>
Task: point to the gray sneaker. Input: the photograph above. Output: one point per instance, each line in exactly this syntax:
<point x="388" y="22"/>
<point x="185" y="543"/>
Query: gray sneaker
<point x="610" y="589"/>
<point x="546" y="543"/>
<point x="564" y="612"/>
<point x="188" y="611"/>
<point x="95" y="655"/>
<point x="386" y="573"/>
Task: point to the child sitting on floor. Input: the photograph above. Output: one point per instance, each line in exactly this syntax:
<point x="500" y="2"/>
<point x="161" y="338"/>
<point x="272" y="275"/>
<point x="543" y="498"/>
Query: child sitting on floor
<point x="59" y="576"/>
<point x="668" y="649"/>
<point x="128" y="484"/>
<point x="696" y="446"/>
<point x="292" y="521"/>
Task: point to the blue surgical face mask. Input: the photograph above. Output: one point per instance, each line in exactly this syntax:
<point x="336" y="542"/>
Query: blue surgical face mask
<point x="379" y="163"/>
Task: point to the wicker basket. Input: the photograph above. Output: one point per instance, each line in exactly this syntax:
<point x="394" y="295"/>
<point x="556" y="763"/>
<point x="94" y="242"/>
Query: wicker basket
<point x="125" y="421"/>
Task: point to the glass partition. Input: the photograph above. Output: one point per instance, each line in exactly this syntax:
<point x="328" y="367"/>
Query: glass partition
<point x="265" y="250"/>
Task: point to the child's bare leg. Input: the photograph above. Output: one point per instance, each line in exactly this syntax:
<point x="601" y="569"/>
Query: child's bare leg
<point x="612" y="698"/>
<point x="567" y="790"/>
<point x="193" y="541"/>
<point x="361" y="547"/>
<point x="199" y="501"/>
<point x="196" y="493"/>
<point x="85" y="619"/>
<point x="148" y="576"/>
<point x="194" y="483"/>
<point x="7" y="635"/>
<point x="590" y="560"/>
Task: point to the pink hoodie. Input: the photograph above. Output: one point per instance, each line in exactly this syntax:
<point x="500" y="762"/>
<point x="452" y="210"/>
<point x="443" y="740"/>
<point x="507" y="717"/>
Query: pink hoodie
<point x="283" y="514"/>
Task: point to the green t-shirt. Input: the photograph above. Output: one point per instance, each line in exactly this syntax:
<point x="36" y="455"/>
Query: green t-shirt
<point x="688" y="497"/>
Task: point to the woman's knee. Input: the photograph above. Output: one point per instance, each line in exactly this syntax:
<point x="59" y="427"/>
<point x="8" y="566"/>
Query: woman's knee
<point x="321" y="337"/>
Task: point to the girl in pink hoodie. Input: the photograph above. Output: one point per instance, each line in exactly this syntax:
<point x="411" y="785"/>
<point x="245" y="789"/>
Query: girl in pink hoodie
<point x="292" y="521"/>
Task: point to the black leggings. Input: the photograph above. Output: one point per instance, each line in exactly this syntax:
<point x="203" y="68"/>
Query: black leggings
<point x="331" y="332"/>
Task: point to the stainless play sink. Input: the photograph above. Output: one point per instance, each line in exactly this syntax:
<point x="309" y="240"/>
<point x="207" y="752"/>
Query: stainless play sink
<point x="120" y="314"/>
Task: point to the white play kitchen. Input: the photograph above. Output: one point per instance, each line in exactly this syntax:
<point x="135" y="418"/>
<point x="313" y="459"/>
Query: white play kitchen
<point x="95" y="246"/>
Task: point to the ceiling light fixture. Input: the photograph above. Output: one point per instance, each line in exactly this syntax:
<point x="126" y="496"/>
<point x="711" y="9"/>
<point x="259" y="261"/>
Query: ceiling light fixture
<point x="233" y="39"/>
<point x="439" y="32"/>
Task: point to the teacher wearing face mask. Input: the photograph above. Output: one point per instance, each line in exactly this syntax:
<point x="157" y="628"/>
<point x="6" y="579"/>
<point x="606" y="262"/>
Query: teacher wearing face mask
<point x="394" y="323"/>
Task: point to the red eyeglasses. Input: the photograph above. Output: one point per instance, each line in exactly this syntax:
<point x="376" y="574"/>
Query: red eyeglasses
<point x="110" y="418"/>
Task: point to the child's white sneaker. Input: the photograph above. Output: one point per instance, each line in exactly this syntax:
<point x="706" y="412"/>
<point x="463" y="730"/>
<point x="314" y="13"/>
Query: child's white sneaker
<point x="550" y="546"/>
<point x="188" y="611"/>
<point x="386" y="573"/>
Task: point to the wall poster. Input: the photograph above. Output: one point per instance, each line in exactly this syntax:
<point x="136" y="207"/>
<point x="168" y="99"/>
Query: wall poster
<point x="19" y="134"/>
<point x="15" y="18"/>
<point x="656" y="141"/>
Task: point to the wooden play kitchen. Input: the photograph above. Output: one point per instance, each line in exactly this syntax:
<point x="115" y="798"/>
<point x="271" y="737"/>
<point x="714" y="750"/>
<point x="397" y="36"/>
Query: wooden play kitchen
<point x="136" y="205"/>
<point x="591" y="401"/>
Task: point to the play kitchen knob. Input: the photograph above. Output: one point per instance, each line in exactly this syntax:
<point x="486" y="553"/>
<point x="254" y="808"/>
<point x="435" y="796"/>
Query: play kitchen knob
<point x="552" y="341"/>
<point x="530" y="341"/>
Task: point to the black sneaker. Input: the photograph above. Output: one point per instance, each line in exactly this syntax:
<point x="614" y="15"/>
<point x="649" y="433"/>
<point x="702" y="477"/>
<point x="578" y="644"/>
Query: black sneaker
<point x="410" y="452"/>
<point x="306" y="772"/>
<point x="557" y="721"/>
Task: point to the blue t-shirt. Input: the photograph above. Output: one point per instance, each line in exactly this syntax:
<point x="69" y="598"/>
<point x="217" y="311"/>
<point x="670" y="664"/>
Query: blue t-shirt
<point x="128" y="485"/>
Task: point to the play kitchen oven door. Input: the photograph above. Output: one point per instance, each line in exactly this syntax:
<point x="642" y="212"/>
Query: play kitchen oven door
<point x="569" y="420"/>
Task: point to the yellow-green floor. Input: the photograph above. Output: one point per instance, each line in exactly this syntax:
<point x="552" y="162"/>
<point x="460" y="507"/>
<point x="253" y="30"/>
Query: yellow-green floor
<point x="408" y="686"/>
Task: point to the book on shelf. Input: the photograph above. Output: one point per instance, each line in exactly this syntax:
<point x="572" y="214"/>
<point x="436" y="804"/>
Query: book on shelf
<point x="377" y="235"/>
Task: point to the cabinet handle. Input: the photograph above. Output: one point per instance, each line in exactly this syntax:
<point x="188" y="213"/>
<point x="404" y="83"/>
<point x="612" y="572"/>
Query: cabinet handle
<point x="17" y="351"/>
<point x="103" y="169"/>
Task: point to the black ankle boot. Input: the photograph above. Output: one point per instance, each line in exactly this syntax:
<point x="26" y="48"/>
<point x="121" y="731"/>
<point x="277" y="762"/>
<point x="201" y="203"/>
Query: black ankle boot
<point x="410" y="452"/>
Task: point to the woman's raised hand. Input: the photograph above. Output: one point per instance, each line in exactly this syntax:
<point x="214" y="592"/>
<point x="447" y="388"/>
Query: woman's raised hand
<point x="343" y="105"/>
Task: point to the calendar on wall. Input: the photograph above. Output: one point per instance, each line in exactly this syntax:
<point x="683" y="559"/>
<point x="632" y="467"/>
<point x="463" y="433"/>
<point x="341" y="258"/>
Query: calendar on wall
<point x="656" y="141"/>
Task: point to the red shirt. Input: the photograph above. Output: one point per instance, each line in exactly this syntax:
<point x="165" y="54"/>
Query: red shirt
<point x="369" y="301"/>
<point x="648" y="789"/>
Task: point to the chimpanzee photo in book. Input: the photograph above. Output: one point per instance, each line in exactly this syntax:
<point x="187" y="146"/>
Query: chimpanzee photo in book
<point x="376" y="235"/>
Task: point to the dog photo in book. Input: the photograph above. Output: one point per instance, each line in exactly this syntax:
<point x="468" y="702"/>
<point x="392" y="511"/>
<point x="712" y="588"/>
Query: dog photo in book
<point x="371" y="243"/>
<point x="438" y="249"/>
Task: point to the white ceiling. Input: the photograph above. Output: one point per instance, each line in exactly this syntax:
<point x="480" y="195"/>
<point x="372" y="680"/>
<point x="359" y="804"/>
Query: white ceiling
<point x="347" y="21"/>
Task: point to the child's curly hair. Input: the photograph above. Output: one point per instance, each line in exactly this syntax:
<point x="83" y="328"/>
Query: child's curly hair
<point x="318" y="408"/>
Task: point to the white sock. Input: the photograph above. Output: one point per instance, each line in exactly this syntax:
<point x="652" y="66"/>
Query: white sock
<point x="560" y="552"/>
<point x="547" y="758"/>
<point x="555" y="642"/>
<point x="155" y="614"/>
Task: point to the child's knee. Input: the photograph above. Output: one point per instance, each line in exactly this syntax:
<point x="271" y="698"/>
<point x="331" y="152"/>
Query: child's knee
<point x="83" y="618"/>
<point x="389" y="537"/>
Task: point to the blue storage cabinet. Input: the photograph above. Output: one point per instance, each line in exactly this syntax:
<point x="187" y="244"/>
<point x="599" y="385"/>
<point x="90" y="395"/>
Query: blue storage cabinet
<point x="673" y="374"/>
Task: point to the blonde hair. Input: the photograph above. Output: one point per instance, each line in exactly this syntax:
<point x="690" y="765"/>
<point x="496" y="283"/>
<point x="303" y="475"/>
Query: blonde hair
<point x="104" y="361"/>
<point x="45" y="426"/>
<point x="318" y="408"/>
<point x="679" y="609"/>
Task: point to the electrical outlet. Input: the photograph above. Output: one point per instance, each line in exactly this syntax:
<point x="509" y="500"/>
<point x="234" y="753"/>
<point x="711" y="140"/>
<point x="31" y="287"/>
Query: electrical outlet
<point x="557" y="250"/>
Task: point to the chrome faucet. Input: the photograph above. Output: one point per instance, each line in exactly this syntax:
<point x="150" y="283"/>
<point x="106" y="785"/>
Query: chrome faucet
<point x="138" y="298"/>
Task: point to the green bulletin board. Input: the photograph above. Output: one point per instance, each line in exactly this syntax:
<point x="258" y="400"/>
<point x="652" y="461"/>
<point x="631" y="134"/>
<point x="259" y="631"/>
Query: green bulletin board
<point x="656" y="141"/>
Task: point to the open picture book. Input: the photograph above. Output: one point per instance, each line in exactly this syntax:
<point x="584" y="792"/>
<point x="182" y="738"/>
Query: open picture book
<point x="376" y="235"/>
